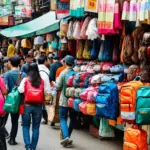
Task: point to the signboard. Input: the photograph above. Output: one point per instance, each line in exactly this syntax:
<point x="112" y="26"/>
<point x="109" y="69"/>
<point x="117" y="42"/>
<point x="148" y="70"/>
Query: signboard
<point x="5" y="11"/>
<point x="4" y="21"/>
<point x="91" y="6"/>
<point x="62" y="9"/>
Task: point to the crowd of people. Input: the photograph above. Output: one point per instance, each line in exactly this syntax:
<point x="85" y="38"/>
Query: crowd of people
<point x="33" y="75"/>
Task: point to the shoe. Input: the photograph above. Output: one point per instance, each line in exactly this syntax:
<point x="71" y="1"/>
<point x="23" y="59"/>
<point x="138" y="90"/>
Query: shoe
<point x="64" y="141"/>
<point x="52" y="124"/>
<point x="44" y="122"/>
<point x="12" y="142"/>
<point x="69" y="143"/>
<point x="6" y="134"/>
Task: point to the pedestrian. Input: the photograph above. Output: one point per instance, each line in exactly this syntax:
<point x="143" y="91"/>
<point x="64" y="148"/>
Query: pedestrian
<point x="10" y="79"/>
<point x="28" y="60"/>
<point x="44" y="73"/>
<point x="63" y="103"/>
<point x="11" y="49"/>
<point x="53" y="68"/>
<point x="33" y="88"/>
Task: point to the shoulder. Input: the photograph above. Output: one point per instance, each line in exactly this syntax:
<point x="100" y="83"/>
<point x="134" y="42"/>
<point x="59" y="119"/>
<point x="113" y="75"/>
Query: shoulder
<point x="24" y="75"/>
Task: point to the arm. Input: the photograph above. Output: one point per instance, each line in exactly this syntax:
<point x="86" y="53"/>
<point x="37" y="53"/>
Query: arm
<point x="59" y="82"/>
<point x="3" y="86"/>
<point x="21" y="86"/>
<point x="52" y="73"/>
<point x="6" y="81"/>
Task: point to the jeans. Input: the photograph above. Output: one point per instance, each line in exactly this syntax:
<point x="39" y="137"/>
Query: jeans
<point x="63" y="113"/>
<point x="34" y="113"/>
<point x="14" y="128"/>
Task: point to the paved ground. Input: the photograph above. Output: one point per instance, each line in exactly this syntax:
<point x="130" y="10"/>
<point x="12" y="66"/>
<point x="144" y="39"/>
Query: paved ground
<point x="49" y="140"/>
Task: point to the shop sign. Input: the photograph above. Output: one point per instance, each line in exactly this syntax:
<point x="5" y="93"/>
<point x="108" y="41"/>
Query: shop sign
<point x="6" y="10"/>
<point x="91" y="5"/>
<point x="62" y="9"/>
<point x="4" y="21"/>
<point x="23" y="11"/>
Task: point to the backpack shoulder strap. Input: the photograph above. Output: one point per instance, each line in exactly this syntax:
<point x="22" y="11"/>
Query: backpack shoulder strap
<point x="17" y="83"/>
<point x="45" y="72"/>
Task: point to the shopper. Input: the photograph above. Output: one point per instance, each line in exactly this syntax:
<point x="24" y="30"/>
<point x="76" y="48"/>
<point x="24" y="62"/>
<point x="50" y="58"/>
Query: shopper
<point x="63" y="104"/>
<point x="11" y="78"/>
<point x="53" y="68"/>
<point x="44" y="73"/>
<point x="11" y="49"/>
<point x="28" y="60"/>
<point x="34" y="100"/>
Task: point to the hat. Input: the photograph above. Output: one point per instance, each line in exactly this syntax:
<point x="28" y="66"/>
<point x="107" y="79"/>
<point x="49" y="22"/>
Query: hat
<point x="56" y="57"/>
<point x="69" y="59"/>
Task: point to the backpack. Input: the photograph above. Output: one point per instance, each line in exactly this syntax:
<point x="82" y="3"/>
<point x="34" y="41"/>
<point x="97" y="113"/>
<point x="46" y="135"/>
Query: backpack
<point x="70" y="30"/>
<point x="70" y="92"/>
<point x="80" y="49"/>
<point x="77" y="30"/>
<point x="87" y="50"/>
<point x="107" y="101"/>
<point x="135" y="139"/>
<point x="143" y="105"/>
<point x="76" y="104"/>
<point x="70" y="102"/>
<point x="128" y="100"/>
<point x="86" y="81"/>
<point x="70" y="77"/>
<point x="77" y="92"/>
<point x="14" y="98"/>
<point x="127" y="50"/>
<point x="32" y="94"/>
<point x="88" y="108"/>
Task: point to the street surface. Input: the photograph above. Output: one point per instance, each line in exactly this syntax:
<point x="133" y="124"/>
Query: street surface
<point x="50" y="140"/>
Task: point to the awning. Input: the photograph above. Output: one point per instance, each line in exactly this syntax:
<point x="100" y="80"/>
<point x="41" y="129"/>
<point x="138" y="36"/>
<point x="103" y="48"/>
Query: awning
<point x="44" y="24"/>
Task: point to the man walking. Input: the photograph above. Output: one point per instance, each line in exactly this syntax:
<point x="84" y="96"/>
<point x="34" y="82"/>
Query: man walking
<point x="11" y="49"/>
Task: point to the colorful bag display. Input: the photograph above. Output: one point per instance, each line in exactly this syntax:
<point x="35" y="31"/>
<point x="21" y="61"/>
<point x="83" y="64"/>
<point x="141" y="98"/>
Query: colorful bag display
<point x="70" y="30"/>
<point x="70" y="102"/>
<point x="87" y="49"/>
<point x="79" y="48"/>
<point x="77" y="30"/>
<point x="128" y="100"/>
<point x="70" y="92"/>
<point x="143" y="106"/>
<point x="135" y="139"/>
<point x="117" y="69"/>
<point x="107" y="101"/>
<point x="77" y="92"/>
<point x="70" y="77"/>
<point x="88" y="108"/>
<point x="76" y="104"/>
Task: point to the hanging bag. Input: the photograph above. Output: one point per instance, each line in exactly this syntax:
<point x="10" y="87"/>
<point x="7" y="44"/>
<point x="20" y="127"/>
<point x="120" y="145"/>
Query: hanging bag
<point x="87" y="49"/>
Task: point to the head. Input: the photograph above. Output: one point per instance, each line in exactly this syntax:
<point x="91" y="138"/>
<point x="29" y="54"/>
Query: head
<point x="14" y="62"/>
<point x="43" y="60"/>
<point x="6" y="64"/>
<point x="69" y="61"/>
<point x="34" y="75"/>
<point x="56" y="59"/>
<point x="10" y="41"/>
<point x="21" y="61"/>
<point x="28" y="59"/>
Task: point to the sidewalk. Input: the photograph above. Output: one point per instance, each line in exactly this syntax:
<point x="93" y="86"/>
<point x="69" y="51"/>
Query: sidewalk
<point x="49" y="140"/>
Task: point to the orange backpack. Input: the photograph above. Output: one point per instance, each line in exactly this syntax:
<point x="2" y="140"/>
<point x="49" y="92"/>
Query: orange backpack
<point x="128" y="100"/>
<point x="135" y="139"/>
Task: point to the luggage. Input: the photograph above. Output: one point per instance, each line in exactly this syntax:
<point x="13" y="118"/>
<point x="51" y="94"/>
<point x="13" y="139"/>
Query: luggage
<point x="128" y="100"/>
<point x="135" y="139"/>
<point x="70" y="77"/>
<point x="88" y="108"/>
<point x="32" y="94"/>
<point x="105" y="130"/>
<point x="76" y="104"/>
<point x="107" y="101"/>
<point x="143" y="106"/>
<point x="70" y="102"/>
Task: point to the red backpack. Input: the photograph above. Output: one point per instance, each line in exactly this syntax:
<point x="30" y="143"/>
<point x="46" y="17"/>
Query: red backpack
<point x="34" y="95"/>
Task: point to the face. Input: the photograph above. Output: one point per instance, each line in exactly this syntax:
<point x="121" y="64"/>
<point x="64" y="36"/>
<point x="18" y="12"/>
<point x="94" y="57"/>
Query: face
<point x="8" y="65"/>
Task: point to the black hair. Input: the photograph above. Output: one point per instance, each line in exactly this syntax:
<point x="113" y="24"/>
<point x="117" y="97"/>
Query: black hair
<point x="68" y="64"/>
<point x="34" y="75"/>
<point x="15" y="61"/>
<point x="42" y="59"/>
<point x="10" y="41"/>
<point x="22" y="58"/>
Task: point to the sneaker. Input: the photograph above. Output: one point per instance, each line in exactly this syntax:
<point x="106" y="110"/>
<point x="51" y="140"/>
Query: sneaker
<point x="11" y="142"/>
<point x="69" y="143"/>
<point x="7" y="136"/>
<point x="64" y="141"/>
<point x="44" y="122"/>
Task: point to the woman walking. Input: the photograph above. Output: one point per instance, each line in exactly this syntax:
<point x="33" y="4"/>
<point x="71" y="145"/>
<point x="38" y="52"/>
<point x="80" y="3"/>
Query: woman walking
<point x="33" y="89"/>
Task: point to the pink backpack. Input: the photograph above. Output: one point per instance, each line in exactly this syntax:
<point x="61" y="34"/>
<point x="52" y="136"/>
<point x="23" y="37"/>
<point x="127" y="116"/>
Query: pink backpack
<point x="70" y="102"/>
<point x="2" y="98"/>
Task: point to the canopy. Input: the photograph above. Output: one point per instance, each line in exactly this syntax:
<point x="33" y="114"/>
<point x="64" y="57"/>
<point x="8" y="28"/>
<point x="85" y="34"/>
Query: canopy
<point x="44" y="24"/>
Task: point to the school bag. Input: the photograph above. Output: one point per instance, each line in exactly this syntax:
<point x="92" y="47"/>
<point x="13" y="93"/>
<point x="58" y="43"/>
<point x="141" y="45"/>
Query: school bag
<point x="70" y="77"/>
<point x="143" y="106"/>
<point x="88" y="108"/>
<point x="86" y="81"/>
<point x="135" y="139"/>
<point x="70" y="102"/>
<point x="76" y="104"/>
<point x="128" y="100"/>
<point x="70" y="30"/>
<point x="77" y="92"/>
<point x="77" y="30"/>
<point x="87" y="49"/>
<point x="79" y="49"/>
<point x="70" y="92"/>
<point x="32" y="94"/>
<point x="2" y="98"/>
<point x="107" y="101"/>
<point x="14" y="98"/>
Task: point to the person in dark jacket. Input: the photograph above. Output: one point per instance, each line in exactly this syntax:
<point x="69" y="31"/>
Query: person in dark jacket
<point x="53" y="68"/>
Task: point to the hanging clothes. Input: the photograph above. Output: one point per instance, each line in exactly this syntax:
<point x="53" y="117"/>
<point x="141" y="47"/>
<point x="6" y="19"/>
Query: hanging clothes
<point x="126" y="10"/>
<point x="133" y="10"/>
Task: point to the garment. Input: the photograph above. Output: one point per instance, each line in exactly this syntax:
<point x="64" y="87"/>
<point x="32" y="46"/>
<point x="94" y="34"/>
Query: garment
<point x="63" y="113"/>
<point x="11" y="50"/>
<point x="44" y="73"/>
<point x="59" y="70"/>
<point x="61" y="85"/>
<point x="53" y="68"/>
<point x="25" y="67"/>
<point x="34" y="113"/>
<point x="11" y="77"/>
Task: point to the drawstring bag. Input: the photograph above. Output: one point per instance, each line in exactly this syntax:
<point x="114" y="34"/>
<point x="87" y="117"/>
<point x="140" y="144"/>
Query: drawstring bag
<point x="126" y="10"/>
<point x="84" y="28"/>
<point x="80" y="49"/>
<point x="77" y="30"/>
<point x="87" y="50"/>
<point x="70" y="30"/>
<point x="133" y="10"/>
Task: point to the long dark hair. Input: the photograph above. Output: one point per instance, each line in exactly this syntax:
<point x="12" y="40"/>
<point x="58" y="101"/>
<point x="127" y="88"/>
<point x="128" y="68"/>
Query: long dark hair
<point x="34" y="75"/>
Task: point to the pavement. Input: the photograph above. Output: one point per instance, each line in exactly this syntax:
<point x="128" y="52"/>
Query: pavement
<point x="50" y="140"/>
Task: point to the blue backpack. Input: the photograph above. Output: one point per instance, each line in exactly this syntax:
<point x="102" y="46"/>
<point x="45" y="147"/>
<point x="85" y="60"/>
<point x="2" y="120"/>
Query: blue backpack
<point x="107" y="101"/>
<point x="86" y="81"/>
<point x="76" y="104"/>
